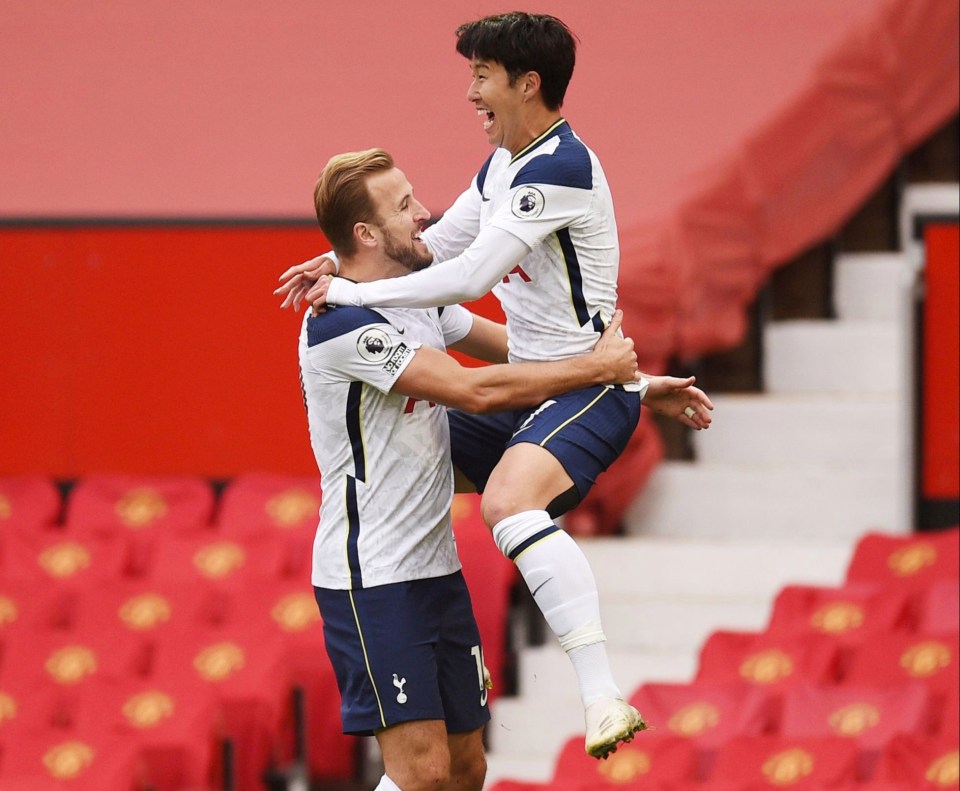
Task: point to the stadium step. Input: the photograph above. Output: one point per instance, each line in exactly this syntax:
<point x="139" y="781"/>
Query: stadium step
<point x="872" y="286"/>
<point x="813" y="356"/>
<point x="833" y="429"/>
<point x="778" y="501"/>
<point x="686" y="566"/>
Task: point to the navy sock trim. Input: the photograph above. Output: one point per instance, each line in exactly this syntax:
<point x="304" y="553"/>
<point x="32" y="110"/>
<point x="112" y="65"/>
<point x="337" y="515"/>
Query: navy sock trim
<point x="524" y="545"/>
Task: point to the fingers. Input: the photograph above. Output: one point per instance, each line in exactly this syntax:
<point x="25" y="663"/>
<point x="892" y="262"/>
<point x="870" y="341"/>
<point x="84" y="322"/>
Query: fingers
<point x="614" y="326"/>
<point x="318" y="291"/>
<point x="701" y="397"/>
<point x="306" y="266"/>
<point x="696" y="416"/>
<point x="295" y="297"/>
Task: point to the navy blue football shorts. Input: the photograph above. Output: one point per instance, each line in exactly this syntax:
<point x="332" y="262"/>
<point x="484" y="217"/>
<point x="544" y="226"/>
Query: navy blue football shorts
<point x="585" y="430"/>
<point x="405" y="651"/>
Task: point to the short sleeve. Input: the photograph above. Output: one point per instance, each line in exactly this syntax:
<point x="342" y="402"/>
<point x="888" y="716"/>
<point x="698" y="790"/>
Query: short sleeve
<point x="456" y="322"/>
<point x="357" y="344"/>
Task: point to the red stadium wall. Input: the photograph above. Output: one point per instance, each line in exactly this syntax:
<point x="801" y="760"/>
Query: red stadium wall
<point x="940" y="376"/>
<point x="152" y="349"/>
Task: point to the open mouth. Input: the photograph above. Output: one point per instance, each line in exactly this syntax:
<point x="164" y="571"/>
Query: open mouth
<point x="487" y="116"/>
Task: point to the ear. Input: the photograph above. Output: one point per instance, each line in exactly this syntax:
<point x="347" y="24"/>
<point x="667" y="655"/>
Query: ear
<point x="531" y="85"/>
<point x="363" y="233"/>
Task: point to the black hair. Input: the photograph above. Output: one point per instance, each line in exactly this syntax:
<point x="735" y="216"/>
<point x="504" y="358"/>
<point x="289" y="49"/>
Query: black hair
<point x="522" y="42"/>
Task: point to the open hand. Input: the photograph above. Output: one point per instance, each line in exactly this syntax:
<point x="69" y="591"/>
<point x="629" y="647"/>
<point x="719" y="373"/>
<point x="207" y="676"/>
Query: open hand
<point x="297" y="281"/>
<point x="678" y="398"/>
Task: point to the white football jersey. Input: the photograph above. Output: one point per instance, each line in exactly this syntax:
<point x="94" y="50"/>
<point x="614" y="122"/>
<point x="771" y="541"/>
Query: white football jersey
<point x="384" y="459"/>
<point x="554" y="196"/>
<point x="539" y="229"/>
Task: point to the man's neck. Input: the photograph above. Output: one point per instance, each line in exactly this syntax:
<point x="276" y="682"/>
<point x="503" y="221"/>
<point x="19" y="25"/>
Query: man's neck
<point x="536" y="123"/>
<point x="366" y="269"/>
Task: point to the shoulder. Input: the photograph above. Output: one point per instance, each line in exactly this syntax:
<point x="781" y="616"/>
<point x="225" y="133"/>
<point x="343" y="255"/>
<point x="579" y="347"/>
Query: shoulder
<point x="338" y="321"/>
<point x="568" y="165"/>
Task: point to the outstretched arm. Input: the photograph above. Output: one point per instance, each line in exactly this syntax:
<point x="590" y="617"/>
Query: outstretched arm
<point x="462" y="279"/>
<point x="434" y="376"/>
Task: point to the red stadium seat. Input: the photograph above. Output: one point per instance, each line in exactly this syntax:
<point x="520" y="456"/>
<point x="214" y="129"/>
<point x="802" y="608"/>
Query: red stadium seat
<point x="766" y="660"/>
<point x="776" y="762"/>
<point x="921" y="764"/>
<point x="149" y="611"/>
<point x="67" y="663"/>
<point x="140" y="509"/>
<point x="249" y="679"/>
<point x="868" y="717"/>
<point x="938" y="608"/>
<point x="284" y="506"/>
<point x="872" y="786"/>
<point x="285" y="612"/>
<point x="906" y="561"/>
<point x="27" y="503"/>
<point x="68" y="660"/>
<point x="705" y="713"/>
<point x="58" y="760"/>
<point x="62" y="561"/>
<point x="29" y="709"/>
<point x="651" y="758"/>
<point x="217" y="560"/>
<point x="849" y="615"/>
<point x="490" y="578"/>
<point x="903" y="658"/>
<point x="947" y="725"/>
<point x="31" y="606"/>
<point x="129" y="503"/>
<point x="172" y="726"/>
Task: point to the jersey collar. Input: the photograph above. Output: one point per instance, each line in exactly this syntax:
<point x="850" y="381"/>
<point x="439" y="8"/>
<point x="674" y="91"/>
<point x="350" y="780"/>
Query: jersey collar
<point x="551" y="130"/>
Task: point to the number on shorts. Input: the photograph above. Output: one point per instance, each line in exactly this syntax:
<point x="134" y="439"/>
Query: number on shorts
<point x="477" y="653"/>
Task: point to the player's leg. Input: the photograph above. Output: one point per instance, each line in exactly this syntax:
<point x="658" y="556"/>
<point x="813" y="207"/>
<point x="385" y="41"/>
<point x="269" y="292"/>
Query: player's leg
<point x="463" y="686"/>
<point x="556" y="449"/>
<point x="468" y="764"/>
<point x="380" y="641"/>
<point x="416" y="756"/>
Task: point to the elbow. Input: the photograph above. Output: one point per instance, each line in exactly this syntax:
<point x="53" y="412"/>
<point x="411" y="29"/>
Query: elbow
<point x="480" y="400"/>
<point x="480" y="403"/>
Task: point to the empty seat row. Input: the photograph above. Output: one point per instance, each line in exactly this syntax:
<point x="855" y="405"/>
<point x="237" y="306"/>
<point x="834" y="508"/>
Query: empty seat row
<point x="853" y="688"/>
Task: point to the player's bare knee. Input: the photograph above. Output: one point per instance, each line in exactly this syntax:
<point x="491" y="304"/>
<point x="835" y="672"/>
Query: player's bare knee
<point x="469" y="773"/>
<point x="495" y="506"/>
<point x="426" y="773"/>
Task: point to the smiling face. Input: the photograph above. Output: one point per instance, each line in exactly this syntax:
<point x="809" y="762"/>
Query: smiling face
<point x="400" y="219"/>
<point x="499" y="104"/>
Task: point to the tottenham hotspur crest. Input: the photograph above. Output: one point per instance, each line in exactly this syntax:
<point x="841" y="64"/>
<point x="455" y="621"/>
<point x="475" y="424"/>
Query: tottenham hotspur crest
<point x="527" y="203"/>
<point x="398" y="683"/>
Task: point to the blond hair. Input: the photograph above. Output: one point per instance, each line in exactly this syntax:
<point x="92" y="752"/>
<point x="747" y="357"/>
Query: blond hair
<point x="341" y="198"/>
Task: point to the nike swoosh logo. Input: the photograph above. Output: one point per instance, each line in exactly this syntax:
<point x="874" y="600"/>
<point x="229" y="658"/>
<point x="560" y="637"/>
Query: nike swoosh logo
<point x="540" y="586"/>
<point x="484" y="198"/>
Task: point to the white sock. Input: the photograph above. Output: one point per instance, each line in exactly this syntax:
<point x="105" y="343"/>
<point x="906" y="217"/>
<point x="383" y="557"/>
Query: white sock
<point x="386" y="784"/>
<point x="559" y="577"/>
